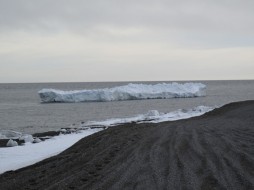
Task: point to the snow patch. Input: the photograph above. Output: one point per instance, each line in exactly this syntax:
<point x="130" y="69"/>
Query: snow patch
<point x="20" y="156"/>
<point x="153" y="116"/>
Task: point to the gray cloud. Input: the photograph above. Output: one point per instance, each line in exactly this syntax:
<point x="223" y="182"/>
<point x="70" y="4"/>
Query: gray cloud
<point x="208" y="15"/>
<point x="228" y="23"/>
<point x="61" y="33"/>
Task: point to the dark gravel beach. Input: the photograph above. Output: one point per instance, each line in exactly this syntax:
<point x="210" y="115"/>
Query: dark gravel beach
<point x="213" y="151"/>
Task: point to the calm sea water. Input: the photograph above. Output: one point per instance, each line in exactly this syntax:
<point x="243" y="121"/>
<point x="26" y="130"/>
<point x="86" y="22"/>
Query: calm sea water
<point x="21" y="110"/>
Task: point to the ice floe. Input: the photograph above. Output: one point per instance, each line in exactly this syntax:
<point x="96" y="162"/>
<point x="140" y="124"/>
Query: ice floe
<point x="126" y="92"/>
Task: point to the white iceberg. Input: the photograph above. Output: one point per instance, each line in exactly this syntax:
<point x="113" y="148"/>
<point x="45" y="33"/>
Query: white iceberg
<point x="127" y="92"/>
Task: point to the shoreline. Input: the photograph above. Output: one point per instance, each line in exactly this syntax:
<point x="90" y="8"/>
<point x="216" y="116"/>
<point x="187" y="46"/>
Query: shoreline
<point x="214" y="150"/>
<point x="152" y="116"/>
<point x="47" y="135"/>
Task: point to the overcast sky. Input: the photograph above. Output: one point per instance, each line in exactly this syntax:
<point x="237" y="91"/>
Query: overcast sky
<point x="119" y="40"/>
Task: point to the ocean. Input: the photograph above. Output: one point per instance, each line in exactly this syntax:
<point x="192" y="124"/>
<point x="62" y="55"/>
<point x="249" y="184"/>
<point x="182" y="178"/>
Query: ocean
<point x="21" y="108"/>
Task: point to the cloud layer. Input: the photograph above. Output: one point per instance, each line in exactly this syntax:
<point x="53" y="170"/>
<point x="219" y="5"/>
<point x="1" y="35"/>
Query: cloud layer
<point x="46" y="41"/>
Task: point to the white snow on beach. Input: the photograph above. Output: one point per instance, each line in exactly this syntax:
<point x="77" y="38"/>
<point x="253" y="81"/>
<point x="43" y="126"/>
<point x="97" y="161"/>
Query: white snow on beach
<point x="16" y="157"/>
<point x="13" y="158"/>
<point x="127" y="92"/>
<point x="153" y="116"/>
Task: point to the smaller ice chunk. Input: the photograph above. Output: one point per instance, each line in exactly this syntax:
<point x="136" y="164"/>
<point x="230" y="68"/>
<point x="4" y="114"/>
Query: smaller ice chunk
<point x="63" y="130"/>
<point x="11" y="143"/>
<point x="8" y="134"/>
<point x="37" y="140"/>
<point x="27" y="138"/>
<point x="152" y="113"/>
<point x="73" y="130"/>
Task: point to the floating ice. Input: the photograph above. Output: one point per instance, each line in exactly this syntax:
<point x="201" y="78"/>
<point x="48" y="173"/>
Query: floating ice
<point x="8" y="134"/>
<point x="127" y="92"/>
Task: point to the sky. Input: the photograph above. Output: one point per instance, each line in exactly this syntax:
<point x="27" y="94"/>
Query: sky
<point x="134" y="40"/>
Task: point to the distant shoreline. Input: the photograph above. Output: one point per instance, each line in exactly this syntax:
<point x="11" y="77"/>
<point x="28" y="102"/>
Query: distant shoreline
<point x="134" y="81"/>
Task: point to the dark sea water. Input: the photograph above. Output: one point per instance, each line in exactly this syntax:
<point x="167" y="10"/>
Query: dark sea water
<point x="21" y="109"/>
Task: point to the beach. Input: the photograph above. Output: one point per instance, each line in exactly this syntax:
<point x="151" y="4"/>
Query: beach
<point x="213" y="151"/>
<point x="115" y="95"/>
